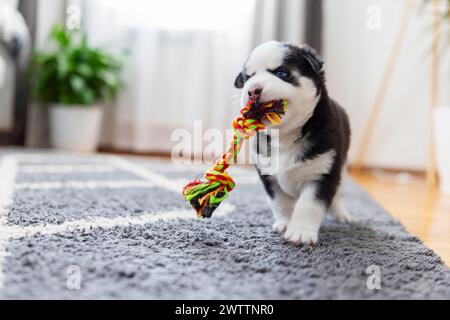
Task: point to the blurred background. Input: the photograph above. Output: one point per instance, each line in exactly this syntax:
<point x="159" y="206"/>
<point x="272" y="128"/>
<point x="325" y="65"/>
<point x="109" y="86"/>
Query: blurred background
<point x="136" y="70"/>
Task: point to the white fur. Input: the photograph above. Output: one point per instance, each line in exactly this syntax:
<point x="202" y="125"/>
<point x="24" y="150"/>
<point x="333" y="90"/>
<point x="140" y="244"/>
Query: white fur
<point x="337" y="210"/>
<point x="301" y="103"/>
<point x="268" y="55"/>
<point x="296" y="176"/>
<point x="282" y="207"/>
<point x="306" y="218"/>
<point x="294" y="206"/>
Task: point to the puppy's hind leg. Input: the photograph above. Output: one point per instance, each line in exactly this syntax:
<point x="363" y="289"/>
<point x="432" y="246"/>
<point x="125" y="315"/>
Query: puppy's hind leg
<point x="338" y="211"/>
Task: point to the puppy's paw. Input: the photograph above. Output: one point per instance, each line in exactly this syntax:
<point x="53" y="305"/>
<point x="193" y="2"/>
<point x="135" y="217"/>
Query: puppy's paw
<point x="297" y="235"/>
<point x="280" y="225"/>
<point x="343" y="216"/>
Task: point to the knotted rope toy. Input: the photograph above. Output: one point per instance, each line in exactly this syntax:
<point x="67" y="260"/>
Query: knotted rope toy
<point x="205" y="196"/>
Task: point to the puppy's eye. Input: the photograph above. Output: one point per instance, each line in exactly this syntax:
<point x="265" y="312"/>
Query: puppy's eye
<point x="281" y="74"/>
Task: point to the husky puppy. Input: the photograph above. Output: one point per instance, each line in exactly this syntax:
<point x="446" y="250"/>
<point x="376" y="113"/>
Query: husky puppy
<point x="314" y="138"/>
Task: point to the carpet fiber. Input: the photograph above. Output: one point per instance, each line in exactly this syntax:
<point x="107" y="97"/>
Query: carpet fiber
<point x="102" y="227"/>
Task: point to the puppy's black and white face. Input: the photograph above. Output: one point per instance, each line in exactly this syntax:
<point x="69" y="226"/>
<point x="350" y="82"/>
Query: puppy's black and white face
<point x="277" y="70"/>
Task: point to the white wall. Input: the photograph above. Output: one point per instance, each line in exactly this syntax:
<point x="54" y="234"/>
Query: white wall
<point x="355" y="60"/>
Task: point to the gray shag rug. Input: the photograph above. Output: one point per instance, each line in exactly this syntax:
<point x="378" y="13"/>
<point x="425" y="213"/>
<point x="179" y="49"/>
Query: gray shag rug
<point x="103" y="227"/>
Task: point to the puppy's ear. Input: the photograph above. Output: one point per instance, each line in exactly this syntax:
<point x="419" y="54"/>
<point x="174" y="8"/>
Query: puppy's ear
<point x="240" y="80"/>
<point x="313" y="59"/>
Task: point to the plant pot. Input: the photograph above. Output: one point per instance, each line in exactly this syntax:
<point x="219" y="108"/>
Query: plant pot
<point x="441" y="118"/>
<point x="75" y="128"/>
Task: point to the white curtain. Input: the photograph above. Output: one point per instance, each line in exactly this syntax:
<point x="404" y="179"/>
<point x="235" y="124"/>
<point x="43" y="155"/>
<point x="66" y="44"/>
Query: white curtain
<point x="182" y="61"/>
<point x="7" y="75"/>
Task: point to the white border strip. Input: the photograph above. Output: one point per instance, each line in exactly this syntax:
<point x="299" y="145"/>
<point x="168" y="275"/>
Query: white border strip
<point x="107" y="184"/>
<point x="14" y="232"/>
<point x="158" y="179"/>
<point x="61" y="158"/>
<point x="8" y="171"/>
<point x="66" y="168"/>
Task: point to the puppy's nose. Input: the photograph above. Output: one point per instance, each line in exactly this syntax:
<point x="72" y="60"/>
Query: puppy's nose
<point x="255" y="93"/>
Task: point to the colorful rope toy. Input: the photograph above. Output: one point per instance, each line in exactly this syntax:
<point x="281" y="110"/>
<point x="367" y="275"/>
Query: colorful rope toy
<point x="206" y="196"/>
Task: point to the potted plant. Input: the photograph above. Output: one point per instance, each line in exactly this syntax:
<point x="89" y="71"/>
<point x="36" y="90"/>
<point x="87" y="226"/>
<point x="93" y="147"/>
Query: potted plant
<point x="73" y="79"/>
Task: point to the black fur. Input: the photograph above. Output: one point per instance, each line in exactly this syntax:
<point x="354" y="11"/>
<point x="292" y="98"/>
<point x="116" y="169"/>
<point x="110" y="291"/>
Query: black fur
<point x="307" y="63"/>
<point x="267" y="182"/>
<point x="290" y="77"/>
<point x="263" y="143"/>
<point x="327" y="129"/>
<point x="302" y="59"/>
<point x="240" y="80"/>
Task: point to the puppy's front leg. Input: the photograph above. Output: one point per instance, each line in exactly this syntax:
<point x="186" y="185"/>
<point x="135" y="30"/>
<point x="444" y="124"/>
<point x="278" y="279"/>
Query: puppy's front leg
<point x="306" y="218"/>
<point x="282" y="207"/>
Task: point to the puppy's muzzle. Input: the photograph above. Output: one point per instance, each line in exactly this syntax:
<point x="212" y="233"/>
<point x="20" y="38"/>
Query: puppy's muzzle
<point x="265" y="110"/>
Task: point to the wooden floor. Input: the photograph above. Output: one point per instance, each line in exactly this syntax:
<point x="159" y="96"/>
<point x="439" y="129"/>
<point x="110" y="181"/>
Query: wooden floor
<point x="425" y="214"/>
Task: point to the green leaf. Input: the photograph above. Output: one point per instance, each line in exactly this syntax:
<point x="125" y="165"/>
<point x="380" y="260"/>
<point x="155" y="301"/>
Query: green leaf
<point x="60" y="36"/>
<point x="74" y="72"/>
<point x="109" y="78"/>
<point x="63" y="65"/>
<point x="84" y="42"/>
<point x="77" y="83"/>
<point x="87" y="97"/>
<point x="85" y="70"/>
